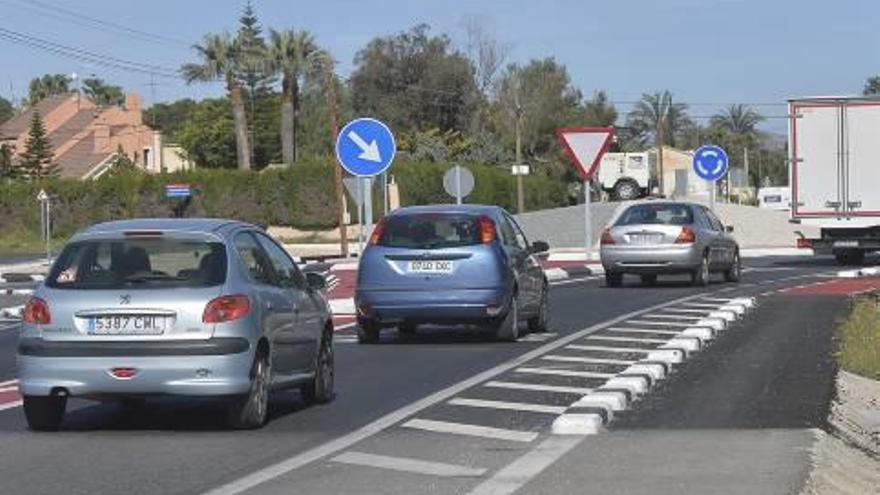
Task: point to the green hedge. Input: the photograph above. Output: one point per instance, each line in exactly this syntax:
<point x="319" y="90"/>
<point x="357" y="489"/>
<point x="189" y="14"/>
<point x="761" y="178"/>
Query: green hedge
<point x="301" y="197"/>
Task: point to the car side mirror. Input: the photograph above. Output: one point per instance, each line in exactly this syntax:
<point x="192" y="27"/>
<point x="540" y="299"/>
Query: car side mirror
<point x="539" y="247"/>
<point x="728" y="229"/>
<point x="316" y="281"/>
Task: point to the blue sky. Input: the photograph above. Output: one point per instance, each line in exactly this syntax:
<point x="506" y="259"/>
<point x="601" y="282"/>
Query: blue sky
<point x="707" y="52"/>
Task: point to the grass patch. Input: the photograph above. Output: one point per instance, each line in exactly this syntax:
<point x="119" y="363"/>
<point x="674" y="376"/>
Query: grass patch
<point x="858" y="340"/>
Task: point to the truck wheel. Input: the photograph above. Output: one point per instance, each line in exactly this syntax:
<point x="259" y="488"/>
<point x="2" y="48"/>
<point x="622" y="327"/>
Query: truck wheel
<point x="850" y="257"/>
<point x="626" y="190"/>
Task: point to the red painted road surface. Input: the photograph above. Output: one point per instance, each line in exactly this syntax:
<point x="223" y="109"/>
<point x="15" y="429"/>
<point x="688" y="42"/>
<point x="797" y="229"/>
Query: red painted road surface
<point x="836" y="287"/>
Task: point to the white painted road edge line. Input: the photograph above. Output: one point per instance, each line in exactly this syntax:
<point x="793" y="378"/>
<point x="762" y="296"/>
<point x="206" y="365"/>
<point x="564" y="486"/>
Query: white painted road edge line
<point x="538" y="387"/>
<point x="471" y="430"/>
<point x="441" y="469"/>
<point x="341" y="443"/>
<point x="11" y="405"/>
<point x="508" y="406"/>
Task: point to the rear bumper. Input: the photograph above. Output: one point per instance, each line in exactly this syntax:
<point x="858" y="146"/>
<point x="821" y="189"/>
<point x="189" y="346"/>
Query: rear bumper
<point x="203" y="368"/>
<point x="440" y="306"/>
<point x="641" y="260"/>
<point x="828" y="246"/>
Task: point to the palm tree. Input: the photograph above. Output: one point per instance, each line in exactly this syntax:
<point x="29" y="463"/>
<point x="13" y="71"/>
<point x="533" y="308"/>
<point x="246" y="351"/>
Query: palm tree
<point x="656" y="114"/>
<point x="872" y="86"/>
<point x="219" y="56"/>
<point x="295" y="55"/>
<point x="737" y="119"/>
<point x="48" y="85"/>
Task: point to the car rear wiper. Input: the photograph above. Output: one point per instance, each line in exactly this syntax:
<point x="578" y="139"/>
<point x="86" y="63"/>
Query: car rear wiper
<point x="149" y="277"/>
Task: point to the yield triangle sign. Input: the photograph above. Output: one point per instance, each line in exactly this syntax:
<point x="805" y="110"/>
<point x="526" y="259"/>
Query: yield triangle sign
<point x="585" y="147"/>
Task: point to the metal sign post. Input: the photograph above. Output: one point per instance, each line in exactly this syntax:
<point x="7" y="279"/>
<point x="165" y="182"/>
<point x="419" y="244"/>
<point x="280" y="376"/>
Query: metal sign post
<point x="710" y="164"/>
<point x="585" y="147"/>
<point x="458" y="182"/>
<point x="46" y="222"/>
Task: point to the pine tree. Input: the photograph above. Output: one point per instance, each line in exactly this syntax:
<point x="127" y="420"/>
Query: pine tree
<point x="252" y="51"/>
<point x="36" y="161"/>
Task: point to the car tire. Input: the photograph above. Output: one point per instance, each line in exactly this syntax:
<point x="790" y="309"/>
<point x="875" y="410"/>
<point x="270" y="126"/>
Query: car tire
<point x="626" y="190"/>
<point x="320" y="389"/>
<point x="507" y="330"/>
<point x="407" y="328"/>
<point x="850" y="258"/>
<point x="538" y="323"/>
<point x="613" y="279"/>
<point x="44" y="413"/>
<point x="700" y="276"/>
<point x="649" y="280"/>
<point x="368" y="332"/>
<point x="252" y="410"/>
<point x="734" y="273"/>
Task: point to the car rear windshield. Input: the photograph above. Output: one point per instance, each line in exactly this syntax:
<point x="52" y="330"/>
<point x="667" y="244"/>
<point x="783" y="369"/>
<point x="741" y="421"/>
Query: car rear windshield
<point x="148" y="263"/>
<point x="657" y="214"/>
<point x="430" y="231"/>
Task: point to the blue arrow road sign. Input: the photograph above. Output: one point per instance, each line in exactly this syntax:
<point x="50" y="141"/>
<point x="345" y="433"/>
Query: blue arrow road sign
<point x="710" y="162"/>
<point x="365" y="147"/>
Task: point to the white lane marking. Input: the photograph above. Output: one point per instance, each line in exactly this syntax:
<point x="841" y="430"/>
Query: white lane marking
<point x="345" y="441"/>
<point x="343" y="306"/>
<point x="685" y="310"/>
<point x="345" y="326"/>
<point x="554" y="274"/>
<point x="508" y="406"/>
<point x="603" y="348"/>
<point x="672" y="317"/>
<point x="408" y="465"/>
<point x="8" y="383"/>
<point x="643" y="330"/>
<point x="13" y="388"/>
<point x="11" y="405"/>
<point x="345" y="339"/>
<point x="538" y="337"/>
<point x="471" y="430"/>
<point x="574" y="280"/>
<point x="516" y="474"/>
<point x="577" y="359"/>
<point x="559" y="372"/>
<point x="626" y="339"/>
<point x="538" y="387"/>
<point x="8" y="327"/>
<point x="667" y="323"/>
<point x="708" y="305"/>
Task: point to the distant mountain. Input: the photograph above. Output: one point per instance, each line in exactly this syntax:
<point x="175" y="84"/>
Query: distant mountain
<point x="773" y="141"/>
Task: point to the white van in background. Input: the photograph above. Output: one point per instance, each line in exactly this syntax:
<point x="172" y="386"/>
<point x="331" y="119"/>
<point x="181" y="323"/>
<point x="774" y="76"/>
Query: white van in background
<point x="775" y="198"/>
<point x="625" y="176"/>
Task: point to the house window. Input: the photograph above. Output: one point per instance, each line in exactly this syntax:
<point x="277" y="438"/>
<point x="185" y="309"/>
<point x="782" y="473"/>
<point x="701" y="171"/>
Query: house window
<point x="148" y="163"/>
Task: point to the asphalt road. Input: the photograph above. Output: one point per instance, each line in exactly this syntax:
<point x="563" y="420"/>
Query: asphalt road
<point x="394" y="398"/>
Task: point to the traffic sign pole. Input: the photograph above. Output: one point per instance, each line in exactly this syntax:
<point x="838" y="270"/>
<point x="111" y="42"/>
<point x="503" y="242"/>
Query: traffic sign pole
<point x="368" y="206"/>
<point x="711" y="164"/>
<point x="458" y="185"/>
<point x="588" y="223"/>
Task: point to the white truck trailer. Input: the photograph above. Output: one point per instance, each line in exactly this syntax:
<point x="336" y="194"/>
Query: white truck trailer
<point x="834" y="166"/>
<point x="625" y="176"/>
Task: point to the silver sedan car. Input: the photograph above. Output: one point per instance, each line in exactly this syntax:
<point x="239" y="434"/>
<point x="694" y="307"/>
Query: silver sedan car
<point x="192" y="307"/>
<point x="664" y="237"/>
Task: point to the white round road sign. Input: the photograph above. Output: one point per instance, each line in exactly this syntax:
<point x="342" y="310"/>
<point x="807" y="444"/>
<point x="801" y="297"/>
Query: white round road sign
<point x="458" y="182"/>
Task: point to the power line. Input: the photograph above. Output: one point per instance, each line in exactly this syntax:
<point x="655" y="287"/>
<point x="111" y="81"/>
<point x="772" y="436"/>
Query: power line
<point x="58" y="12"/>
<point x="85" y="55"/>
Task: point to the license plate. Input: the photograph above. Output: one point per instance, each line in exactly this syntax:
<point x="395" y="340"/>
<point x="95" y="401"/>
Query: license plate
<point x="127" y="325"/>
<point x="642" y="239"/>
<point x="430" y="266"/>
<point x="846" y="244"/>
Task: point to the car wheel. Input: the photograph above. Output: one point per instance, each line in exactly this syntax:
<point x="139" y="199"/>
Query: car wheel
<point x="626" y="190"/>
<point x="252" y="410"/>
<point x="850" y="257"/>
<point x="407" y="328"/>
<point x="734" y="273"/>
<point x="44" y="413"/>
<point x="613" y="279"/>
<point x="368" y="332"/>
<point x="507" y="329"/>
<point x="700" y="276"/>
<point x="320" y="389"/>
<point x="538" y="323"/>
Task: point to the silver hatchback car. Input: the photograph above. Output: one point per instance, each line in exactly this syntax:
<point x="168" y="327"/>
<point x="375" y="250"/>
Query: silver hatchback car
<point x="193" y="307"/>
<point x="664" y="237"/>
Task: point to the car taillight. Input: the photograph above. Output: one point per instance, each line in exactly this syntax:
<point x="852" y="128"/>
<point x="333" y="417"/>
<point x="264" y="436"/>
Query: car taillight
<point x="226" y="308"/>
<point x="487" y="230"/>
<point x="687" y="236"/>
<point x="36" y="312"/>
<point x="804" y="243"/>
<point x="606" y="238"/>
<point x="378" y="231"/>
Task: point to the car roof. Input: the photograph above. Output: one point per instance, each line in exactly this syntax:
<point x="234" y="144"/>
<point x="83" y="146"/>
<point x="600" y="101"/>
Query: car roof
<point x="190" y="225"/>
<point x="471" y="209"/>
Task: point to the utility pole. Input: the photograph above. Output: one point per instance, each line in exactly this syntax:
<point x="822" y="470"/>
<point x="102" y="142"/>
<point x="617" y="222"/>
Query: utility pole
<point x="658" y="140"/>
<point x="520" y="199"/>
<point x="330" y="82"/>
<point x="746" y="166"/>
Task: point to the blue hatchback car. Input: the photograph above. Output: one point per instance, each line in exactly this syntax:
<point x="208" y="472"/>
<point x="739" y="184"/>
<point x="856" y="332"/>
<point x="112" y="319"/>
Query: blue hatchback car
<point x="450" y="264"/>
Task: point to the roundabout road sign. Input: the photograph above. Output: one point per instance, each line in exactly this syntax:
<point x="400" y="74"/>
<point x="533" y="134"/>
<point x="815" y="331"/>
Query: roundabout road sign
<point x="710" y="162"/>
<point x="365" y="147"/>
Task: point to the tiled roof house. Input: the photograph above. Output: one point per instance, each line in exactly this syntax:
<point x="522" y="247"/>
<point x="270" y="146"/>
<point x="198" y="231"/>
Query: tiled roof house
<point x="85" y="137"/>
